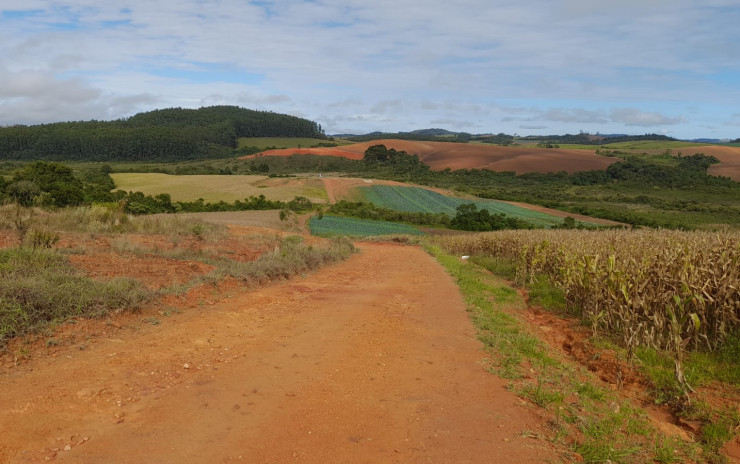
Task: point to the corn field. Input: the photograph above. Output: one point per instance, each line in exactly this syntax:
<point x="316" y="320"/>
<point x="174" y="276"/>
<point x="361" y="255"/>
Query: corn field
<point x="663" y="289"/>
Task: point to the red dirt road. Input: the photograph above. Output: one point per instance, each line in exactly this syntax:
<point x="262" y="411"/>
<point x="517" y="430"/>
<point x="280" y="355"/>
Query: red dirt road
<point x="370" y="360"/>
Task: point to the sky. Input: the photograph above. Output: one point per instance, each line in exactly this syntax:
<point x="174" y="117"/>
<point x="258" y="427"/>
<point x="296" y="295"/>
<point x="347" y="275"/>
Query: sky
<point x="525" y="67"/>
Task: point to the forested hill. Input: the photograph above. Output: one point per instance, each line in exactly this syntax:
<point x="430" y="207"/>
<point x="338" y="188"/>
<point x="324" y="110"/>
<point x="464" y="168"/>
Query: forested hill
<point x="162" y="135"/>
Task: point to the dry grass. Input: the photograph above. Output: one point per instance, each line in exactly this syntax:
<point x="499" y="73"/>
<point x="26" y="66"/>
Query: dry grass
<point x="214" y="188"/>
<point x="661" y="289"/>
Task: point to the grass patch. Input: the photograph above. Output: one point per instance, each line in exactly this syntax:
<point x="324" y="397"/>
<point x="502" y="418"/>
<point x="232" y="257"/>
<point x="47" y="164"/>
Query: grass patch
<point x="291" y="258"/>
<point x="542" y="292"/>
<point x="603" y="427"/>
<point x="500" y="266"/>
<point x="40" y="287"/>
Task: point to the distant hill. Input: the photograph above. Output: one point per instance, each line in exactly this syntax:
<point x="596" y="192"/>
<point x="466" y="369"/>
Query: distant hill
<point x="170" y="134"/>
<point x="705" y="141"/>
<point x="591" y="139"/>
<point x="430" y="135"/>
<point x="433" y="132"/>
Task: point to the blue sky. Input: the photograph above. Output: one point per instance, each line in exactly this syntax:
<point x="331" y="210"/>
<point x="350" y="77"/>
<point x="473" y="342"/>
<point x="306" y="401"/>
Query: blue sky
<point x="520" y="66"/>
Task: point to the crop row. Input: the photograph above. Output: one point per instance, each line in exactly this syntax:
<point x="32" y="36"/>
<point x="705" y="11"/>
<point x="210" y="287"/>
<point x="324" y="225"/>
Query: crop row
<point x="415" y="199"/>
<point x="664" y="289"/>
<point x="335" y="225"/>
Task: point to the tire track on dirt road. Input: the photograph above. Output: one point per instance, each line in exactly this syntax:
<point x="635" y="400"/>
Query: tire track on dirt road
<point x="370" y="360"/>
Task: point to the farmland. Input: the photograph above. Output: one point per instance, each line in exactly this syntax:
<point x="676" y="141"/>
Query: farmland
<point x="442" y="155"/>
<point x="335" y="225"/>
<point x="283" y="142"/>
<point x="416" y="199"/>
<point x="213" y="188"/>
<point x="658" y="289"/>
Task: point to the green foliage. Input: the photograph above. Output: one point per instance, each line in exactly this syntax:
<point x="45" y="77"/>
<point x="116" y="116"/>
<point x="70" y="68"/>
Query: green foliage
<point x="399" y="160"/>
<point x="55" y="180"/>
<point x="415" y="199"/>
<point x="469" y="218"/>
<point x="588" y="139"/>
<point x="498" y="139"/>
<point x="335" y="225"/>
<point x="167" y="134"/>
<point x="138" y="203"/>
<point x="364" y="210"/>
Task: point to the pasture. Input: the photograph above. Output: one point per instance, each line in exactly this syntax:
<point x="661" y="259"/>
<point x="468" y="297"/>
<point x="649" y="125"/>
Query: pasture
<point x="215" y="188"/>
<point x="284" y="142"/>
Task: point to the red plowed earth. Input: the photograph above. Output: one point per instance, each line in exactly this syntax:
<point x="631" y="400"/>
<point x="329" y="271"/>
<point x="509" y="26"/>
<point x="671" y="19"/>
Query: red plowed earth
<point x="441" y="155"/>
<point x="349" y="364"/>
<point x="729" y="158"/>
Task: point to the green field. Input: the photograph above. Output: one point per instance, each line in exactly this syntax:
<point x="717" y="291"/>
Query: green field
<point x="637" y="145"/>
<point x="213" y="188"/>
<point x="284" y="142"/>
<point x="335" y="225"/>
<point x="416" y="199"/>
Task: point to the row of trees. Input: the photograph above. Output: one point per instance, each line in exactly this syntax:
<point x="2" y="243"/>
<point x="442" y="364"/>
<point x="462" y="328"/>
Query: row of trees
<point x="162" y="135"/>
<point x="55" y="185"/>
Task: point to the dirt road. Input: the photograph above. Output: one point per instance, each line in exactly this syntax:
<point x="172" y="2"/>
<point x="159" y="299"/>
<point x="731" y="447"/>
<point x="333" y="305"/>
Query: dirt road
<point x="372" y="360"/>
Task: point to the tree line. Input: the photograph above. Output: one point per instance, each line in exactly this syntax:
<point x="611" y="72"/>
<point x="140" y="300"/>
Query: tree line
<point x="172" y="134"/>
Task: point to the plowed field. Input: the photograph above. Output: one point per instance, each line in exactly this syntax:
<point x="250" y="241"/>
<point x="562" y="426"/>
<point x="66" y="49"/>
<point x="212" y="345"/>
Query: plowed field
<point x="441" y="155"/>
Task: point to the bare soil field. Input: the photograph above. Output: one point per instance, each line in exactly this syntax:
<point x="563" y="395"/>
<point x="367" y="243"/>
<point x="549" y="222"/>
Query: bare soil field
<point x="330" y="367"/>
<point x="729" y="158"/>
<point x="441" y="155"/>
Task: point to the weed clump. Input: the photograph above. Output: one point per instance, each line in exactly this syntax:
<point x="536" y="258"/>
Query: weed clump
<point x="40" y="286"/>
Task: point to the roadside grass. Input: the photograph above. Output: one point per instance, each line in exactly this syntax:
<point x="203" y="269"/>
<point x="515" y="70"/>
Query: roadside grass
<point x="40" y="288"/>
<point x="591" y="420"/>
<point x="108" y="218"/>
<point x="718" y="424"/>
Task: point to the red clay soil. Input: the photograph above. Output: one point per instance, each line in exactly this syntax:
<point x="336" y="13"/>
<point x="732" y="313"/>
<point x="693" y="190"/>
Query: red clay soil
<point x="155" y="272"/>
<point x="729" y="158"/>
<point x="569" y="337"/>
<point x="348" y="364"/>
<point x="441" y="155"/>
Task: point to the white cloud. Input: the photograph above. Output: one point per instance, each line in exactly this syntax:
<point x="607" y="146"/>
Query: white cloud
<point x="635" y="117"/>
<point x="413" y="60"/>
